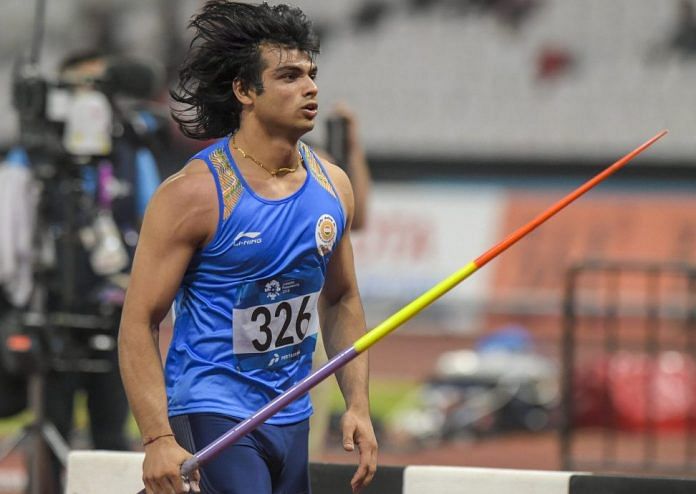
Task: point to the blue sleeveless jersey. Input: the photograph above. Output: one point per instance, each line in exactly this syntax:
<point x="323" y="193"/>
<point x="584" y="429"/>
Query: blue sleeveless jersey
<point x="246" y="317"/>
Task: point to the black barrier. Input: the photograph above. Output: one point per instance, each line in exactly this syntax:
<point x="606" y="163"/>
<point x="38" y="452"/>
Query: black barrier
<point x="604" y="484"/>
<point x="329" y="478"/>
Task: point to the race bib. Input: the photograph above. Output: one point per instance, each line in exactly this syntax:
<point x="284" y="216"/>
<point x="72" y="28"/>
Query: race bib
<point x="280" y="329"/>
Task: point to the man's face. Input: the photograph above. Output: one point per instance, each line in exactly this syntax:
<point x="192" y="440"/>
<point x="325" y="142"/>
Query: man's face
<point x="289" y="99"/>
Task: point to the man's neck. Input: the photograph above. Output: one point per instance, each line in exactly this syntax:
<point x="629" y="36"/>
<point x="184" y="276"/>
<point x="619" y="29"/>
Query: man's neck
<point x="273" y="150"/>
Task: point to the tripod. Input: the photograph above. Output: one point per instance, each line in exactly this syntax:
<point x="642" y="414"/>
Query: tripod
<point x="42" y="438"/>
<point x="53" y="338"/>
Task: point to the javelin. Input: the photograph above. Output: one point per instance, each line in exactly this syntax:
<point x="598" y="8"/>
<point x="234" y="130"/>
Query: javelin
<point x="397" y="319"/>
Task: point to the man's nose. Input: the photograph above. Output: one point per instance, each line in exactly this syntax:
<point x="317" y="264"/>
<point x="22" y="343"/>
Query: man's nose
<point x="312" y="89"/>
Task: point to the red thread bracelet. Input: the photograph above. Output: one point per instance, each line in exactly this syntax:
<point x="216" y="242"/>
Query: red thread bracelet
<point x="153" y="439"/>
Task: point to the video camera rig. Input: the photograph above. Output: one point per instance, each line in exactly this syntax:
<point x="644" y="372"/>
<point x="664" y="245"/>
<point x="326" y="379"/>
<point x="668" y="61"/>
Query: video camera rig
<point x="68" y="126"/>
<point x="50" y="111"/>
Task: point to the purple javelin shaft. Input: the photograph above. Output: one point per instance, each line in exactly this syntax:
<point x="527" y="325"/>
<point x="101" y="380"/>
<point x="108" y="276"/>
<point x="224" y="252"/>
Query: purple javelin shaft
<point x="248" y="425"/>
<point x="273" y="407"/>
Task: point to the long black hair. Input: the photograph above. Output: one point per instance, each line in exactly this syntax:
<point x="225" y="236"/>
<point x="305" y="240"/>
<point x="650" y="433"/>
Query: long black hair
<point x="225" y="47"/>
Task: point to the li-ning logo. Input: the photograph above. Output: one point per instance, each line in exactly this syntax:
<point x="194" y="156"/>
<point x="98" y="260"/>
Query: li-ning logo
<point x="247" y="238"/>
<point x="272" y="289"/>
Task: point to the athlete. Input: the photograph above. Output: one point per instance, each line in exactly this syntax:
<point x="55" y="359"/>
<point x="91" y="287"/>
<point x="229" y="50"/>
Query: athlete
<point x="251" y="240"/>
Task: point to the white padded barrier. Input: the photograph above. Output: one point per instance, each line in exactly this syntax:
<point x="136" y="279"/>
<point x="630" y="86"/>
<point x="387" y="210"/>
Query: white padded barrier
<point x="107" y="472"/>
<point x="451" y="480"/>
<point x="104" y="472"/>
<point x="111" y="472"/>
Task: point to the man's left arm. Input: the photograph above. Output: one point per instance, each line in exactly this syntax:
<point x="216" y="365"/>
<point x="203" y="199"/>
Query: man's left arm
<point x="343" y="322"/>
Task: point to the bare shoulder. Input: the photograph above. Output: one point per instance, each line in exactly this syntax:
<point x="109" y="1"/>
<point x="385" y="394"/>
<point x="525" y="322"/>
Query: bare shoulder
<point x="192" y="182"/>
<point x="192" y="187"/>
<point x="186" y="202"/>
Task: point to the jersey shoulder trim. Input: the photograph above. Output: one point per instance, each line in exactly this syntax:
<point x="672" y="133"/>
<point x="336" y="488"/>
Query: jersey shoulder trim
<point x="230" y="185"/>
<point x="316" y="169"/>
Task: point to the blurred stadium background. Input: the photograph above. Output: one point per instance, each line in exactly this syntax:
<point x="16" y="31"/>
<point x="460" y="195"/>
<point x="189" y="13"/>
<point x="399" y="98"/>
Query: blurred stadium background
<point x="476" y="115"/>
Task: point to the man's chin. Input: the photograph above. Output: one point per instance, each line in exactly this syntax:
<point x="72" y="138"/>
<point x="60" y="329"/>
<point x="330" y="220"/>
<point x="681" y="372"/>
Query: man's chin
<point x="304" y="127"/>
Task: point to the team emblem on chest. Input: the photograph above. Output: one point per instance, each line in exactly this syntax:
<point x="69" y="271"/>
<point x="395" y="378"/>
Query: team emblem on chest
<point x="325" y="234"/>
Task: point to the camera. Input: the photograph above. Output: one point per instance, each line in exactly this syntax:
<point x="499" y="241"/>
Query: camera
<point x="77" y="134"/>
<point x="75" y="114"/>
<point x="88" y="135"/>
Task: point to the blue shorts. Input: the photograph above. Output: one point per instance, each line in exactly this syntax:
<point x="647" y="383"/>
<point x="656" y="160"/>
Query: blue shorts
<point x="273" y="459"/>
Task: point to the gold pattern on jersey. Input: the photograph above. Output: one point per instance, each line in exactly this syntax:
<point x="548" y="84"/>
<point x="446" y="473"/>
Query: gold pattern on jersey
<point x="315" y="169"/>
<point x="229" y="183"/>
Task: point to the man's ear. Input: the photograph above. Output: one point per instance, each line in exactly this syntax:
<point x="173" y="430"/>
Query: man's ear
<point x="243" y="95"/>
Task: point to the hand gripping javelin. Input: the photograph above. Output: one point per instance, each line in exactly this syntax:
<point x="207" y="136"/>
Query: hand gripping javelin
<point x="397" y="319"/>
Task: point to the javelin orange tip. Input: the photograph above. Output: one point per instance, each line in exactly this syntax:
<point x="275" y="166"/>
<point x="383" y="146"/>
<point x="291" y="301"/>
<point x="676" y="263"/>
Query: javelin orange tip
<point x="524" y="230"/>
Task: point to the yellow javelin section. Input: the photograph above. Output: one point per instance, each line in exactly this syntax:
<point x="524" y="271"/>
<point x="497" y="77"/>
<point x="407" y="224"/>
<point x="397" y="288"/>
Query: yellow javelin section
<point x="413" y="308"/>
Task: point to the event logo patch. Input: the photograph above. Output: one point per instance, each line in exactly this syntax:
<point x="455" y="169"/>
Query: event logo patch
<point x="272" y="289"/>
<point x="325" y="234"/>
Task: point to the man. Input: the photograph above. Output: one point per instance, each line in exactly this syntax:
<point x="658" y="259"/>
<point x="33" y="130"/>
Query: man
<point x="252" y="238"/>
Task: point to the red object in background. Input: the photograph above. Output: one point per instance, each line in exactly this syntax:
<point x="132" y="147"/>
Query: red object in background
<point x="553" y="62"/>
<point x="654" y="392"/>
<point x="18" y="343"/>
<point x="643" y="392"/>
<point x="589" y="400"/>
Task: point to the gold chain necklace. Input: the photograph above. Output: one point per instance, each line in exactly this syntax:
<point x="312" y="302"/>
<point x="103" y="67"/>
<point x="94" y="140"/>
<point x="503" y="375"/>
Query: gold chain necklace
<point x="273" y="173"/>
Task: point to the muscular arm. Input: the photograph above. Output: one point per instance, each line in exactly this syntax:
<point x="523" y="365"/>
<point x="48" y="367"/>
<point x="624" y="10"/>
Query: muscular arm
<point x="180" y="218"/>
<point x="343" y="322"/>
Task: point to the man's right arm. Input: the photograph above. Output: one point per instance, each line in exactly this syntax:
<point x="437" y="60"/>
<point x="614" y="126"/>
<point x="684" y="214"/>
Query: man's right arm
<point x="181" y="217"/>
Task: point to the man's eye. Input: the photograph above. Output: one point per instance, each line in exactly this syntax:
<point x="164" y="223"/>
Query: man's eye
<point x="289" y="77"/>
